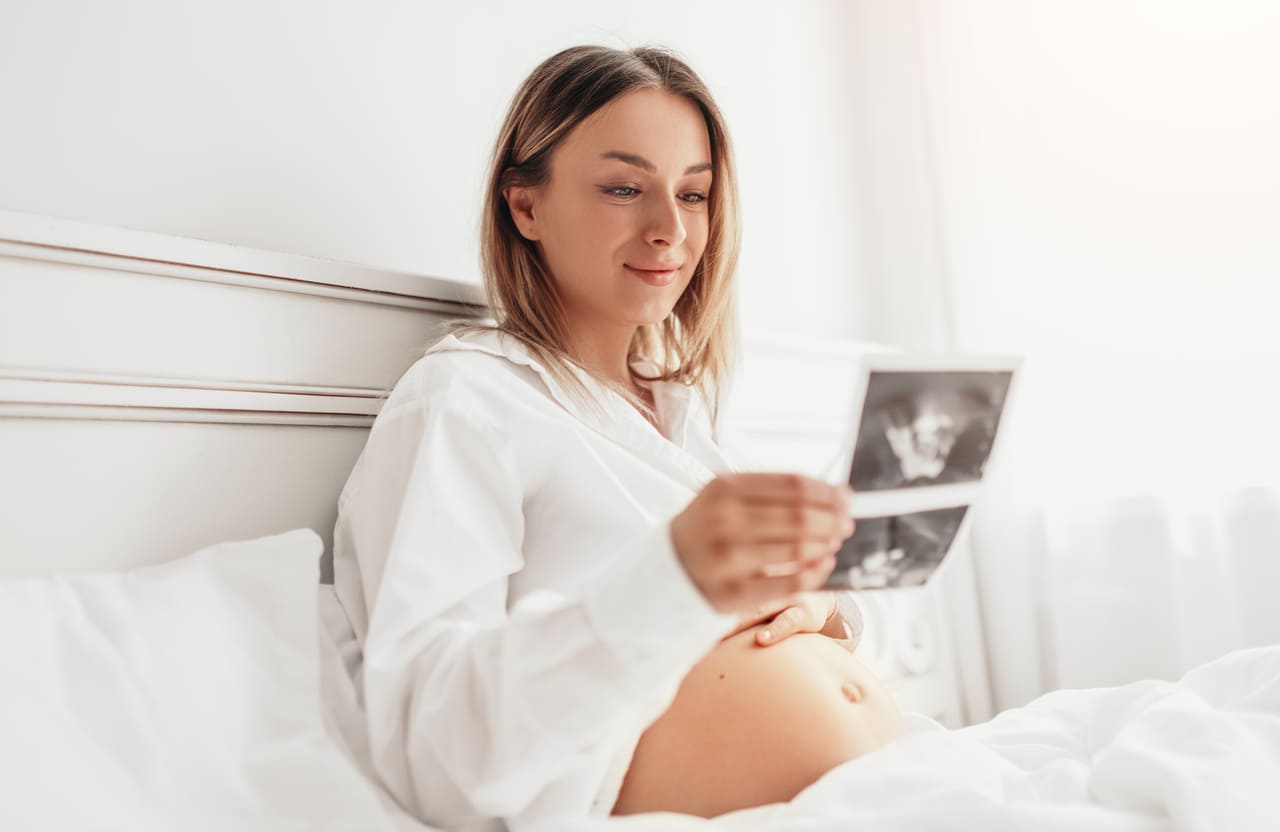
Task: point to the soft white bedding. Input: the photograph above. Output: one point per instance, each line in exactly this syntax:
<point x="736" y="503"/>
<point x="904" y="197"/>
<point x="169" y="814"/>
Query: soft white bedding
<point x="1202" y="754"/>
<point x="178" y="696"/>
<point x="1199" y="754"/>
<point x="185" y="696"/>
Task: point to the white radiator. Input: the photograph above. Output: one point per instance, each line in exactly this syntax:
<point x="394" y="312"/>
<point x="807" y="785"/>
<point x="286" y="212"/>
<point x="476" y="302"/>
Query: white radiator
<point x="1148" y="586"/>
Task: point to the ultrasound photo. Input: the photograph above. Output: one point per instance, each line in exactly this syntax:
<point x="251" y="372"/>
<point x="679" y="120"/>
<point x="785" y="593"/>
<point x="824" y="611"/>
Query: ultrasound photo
<point x="926" y="428"/>
<point x="898" y="551"/>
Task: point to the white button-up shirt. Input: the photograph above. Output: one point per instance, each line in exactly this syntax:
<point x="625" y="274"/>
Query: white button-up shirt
<point x="505" y="558"/>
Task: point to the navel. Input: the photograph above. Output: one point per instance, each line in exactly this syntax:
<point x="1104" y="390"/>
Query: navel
<point x="852" y="692"/>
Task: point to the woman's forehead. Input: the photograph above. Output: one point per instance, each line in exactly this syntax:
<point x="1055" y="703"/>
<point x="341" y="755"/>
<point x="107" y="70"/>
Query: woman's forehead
<point x="642" y="128"/>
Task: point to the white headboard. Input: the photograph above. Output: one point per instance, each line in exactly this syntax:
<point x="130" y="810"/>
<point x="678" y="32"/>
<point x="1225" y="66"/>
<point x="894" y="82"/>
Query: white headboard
<point x="159" y="394"/>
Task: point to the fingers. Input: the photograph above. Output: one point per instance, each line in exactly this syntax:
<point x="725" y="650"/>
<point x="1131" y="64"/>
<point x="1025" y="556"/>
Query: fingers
<point x="807" y="577"/>
<point x="788" y="622"/>
<point x="764" y="612"/>
<point x="805" y="612"/>
<point x="739" y="592"/>
<point x="750" y="538"/>
<point x="767" y="487"/>
<point x="756" y="615"/>
<point x="799" y="522"/>
<point x="775" y="559"/>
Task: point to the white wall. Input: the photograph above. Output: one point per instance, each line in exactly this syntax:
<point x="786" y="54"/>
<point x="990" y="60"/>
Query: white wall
<point x="360" y="131"/>
<point x="1092" y="184"/>
<point x="1109" y="178"/>
<point x="1095" y="185"/>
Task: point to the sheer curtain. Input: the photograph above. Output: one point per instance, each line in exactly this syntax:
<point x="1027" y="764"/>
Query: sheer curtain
<point x="1095" y="186"/>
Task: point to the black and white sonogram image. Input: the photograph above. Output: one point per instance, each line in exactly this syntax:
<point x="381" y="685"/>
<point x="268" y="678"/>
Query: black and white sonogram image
<point x="927" y="428"/>
<point x="898" y="551"/>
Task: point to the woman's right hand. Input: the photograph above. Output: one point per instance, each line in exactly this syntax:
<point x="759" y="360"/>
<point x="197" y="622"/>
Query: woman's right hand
<point x="749" y="538"/>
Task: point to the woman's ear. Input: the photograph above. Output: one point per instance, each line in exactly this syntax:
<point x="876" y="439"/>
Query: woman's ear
<point x="520" y="203"/>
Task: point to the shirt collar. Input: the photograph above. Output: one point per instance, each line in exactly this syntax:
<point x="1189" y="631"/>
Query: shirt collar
<point x="619" y="421"/>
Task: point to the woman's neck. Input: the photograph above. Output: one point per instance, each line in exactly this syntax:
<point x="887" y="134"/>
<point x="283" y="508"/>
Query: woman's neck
<point x="607" y="354"/>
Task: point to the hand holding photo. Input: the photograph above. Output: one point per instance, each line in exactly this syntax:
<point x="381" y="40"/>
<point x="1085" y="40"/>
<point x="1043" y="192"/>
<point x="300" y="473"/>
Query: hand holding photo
<point x="924" y="436"/>
<point x="896" y="551"/>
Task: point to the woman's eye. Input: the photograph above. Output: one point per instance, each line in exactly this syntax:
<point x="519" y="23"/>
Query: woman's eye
<point x="626" y="192"/>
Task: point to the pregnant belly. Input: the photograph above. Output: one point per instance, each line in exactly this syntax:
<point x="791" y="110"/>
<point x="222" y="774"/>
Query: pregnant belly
<point x="752" y="725"/>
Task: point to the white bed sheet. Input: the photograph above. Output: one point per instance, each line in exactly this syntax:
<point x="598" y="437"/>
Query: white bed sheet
<point x="1201" y="754"/>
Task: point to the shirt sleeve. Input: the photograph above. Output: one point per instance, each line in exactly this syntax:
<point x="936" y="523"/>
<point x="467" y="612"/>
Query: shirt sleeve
<point x="475" y="709"/>
<point x="851" y="613"/>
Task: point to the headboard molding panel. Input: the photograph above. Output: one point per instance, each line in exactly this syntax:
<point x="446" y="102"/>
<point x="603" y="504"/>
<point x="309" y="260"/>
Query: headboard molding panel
<point x="158" y="394"/>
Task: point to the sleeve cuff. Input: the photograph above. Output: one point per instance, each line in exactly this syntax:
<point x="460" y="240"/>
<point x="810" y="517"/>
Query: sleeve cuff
<point x="847" y="606"/>
<point x="649" y="612"/>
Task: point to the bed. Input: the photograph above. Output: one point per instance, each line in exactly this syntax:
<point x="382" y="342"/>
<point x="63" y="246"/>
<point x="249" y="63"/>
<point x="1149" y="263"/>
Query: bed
<point x="176" y="420"/>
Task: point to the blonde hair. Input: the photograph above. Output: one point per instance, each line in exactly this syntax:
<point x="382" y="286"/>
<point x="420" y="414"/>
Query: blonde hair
<point x="694" y="345"/>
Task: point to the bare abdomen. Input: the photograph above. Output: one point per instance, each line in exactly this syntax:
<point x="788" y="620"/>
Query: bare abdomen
<point x="752" y="725"/>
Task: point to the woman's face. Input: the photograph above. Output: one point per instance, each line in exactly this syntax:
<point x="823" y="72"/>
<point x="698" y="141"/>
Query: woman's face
<point x="621" y="223"/>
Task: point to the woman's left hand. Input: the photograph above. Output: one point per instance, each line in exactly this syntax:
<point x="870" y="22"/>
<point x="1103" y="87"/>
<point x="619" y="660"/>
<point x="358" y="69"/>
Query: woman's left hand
<point x="807" y="612"/>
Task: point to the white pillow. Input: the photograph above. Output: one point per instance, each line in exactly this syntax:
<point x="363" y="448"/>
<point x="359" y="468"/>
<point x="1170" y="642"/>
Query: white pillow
<point x="179" y="696"/>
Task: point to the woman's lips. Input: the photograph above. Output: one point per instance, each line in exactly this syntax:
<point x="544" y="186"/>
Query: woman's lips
<point x="655" y="277"/>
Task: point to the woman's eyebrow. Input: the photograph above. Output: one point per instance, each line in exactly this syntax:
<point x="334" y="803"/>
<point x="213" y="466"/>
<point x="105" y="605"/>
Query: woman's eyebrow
<point x="647" y="166"/>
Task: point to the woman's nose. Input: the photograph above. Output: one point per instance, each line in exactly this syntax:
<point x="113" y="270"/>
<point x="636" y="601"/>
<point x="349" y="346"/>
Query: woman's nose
<point x="665" y="224"/>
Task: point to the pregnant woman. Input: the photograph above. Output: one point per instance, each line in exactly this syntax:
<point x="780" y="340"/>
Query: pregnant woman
<point x="569" y="601"/>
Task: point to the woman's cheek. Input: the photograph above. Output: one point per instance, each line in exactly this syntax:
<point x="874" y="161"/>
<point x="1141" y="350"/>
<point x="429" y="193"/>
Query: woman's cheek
<point x="697" y="233"/>
<point x="617" y="224"/>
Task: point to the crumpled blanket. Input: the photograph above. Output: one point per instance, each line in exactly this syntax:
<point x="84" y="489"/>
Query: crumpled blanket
<point x="1201" y="754"/>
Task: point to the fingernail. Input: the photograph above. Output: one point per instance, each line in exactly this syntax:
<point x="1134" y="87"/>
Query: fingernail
<point x="766" y="636"/>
